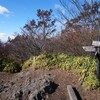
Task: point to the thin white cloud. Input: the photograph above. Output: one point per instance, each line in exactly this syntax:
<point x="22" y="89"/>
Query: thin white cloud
<point x="4" y="37"/>
<point x="57" y="6"/>
<point x="3" y="10"/>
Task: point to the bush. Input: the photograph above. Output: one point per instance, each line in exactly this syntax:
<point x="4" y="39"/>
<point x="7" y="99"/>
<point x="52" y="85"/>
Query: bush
<point x="43" y="61"/>
<point x="1" y="65"/>
<point x="76" y="64"/>
<point x="8" y="65"/>
<point x="28" y="63"/>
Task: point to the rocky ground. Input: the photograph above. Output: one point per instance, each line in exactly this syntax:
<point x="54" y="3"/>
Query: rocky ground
<point x="42" y="85"/>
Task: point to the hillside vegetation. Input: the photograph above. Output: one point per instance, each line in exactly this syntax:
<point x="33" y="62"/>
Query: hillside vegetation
<point x="43" y="35"/>
<point x="76" y="64"/>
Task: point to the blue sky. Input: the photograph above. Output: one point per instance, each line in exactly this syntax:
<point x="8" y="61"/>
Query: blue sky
<point x="14" y="14"/>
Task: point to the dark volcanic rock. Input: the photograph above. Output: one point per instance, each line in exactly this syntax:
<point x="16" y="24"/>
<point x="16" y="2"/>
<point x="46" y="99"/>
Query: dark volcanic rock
<point x="2" y="88"/>
<point x="27" y="88"/>
<point x="18" y="96"/>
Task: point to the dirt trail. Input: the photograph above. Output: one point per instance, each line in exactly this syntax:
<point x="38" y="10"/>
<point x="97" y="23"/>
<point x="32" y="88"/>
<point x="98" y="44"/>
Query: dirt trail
<point x="62" y="78"/>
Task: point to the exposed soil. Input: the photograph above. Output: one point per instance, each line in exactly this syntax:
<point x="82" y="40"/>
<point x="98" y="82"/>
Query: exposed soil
<point x="62" y="78"/>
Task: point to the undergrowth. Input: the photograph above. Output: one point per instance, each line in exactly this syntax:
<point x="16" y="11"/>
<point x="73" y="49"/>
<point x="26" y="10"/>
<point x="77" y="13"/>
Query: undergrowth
<point x="65" y="62"/>
<point x="8" y="65"/>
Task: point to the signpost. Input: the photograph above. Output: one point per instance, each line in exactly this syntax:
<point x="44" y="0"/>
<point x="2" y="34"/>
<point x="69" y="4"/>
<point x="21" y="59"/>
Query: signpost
<point x="71" y="93"/>
<point x="89" y="48"/>
<point x="97" y="54"/>
<point x="95" y="48"/>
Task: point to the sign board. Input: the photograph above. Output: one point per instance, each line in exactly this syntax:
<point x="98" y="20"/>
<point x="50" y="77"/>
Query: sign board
<point x="89" y="48"/>
<point x="96" y="43"/>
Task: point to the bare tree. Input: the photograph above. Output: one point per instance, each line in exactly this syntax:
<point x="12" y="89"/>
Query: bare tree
<point x="82" y="24"/>
<point x="41" y="30"/>
<point x="86" y="14"/>
<point x="34" y="37"/>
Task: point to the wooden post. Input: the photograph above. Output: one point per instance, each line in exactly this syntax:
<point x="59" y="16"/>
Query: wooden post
<point x="71" y="93"/>
<point x="97" y="54"/>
